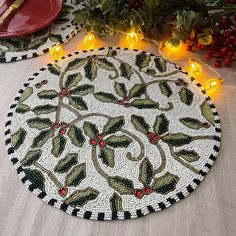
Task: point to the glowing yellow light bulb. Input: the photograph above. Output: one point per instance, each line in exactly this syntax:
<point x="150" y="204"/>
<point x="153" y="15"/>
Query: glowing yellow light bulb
<point x="132" y="38"/>
<point x="195" y="69"/>
<point x="57" y="52"/>
<point x="212" y="85"/>
<point x="89" y="40"/>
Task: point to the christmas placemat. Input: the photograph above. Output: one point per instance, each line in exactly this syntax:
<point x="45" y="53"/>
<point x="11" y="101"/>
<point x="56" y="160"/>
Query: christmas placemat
<point x="38" y="43"/>
<point x="112" y="134"/>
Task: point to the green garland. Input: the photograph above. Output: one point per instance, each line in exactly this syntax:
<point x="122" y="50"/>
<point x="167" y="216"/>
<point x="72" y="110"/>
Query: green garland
<point x="105" y="17"/>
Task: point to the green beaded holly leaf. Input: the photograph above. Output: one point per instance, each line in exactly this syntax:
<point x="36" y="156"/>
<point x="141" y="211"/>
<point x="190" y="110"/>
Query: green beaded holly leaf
<point x="165" y="184"/>
<point x="31" y="157"/>
<point x="54" y="69"/>
<point x="126" y="98"/>
<point x="106" y="140"/>
<point x="123" y="186"/>
<point x="39" y="123"/>
<point x="142" y="60"/>
<point x="65" y="164"/>
<point x="42" y="138"/>
<point x="93" y="64"/>
<point x="76" y="136"/>
<point x="18" y="138"/>
<point x="146" y="172"/>
<point x="177" y="139"/>
<point x="165" y="89"/>
<point x="186" y="96"/>
<point x="21" y="107"/>
<point x="36" y="178"/>
<point x="160" y="64"/>
<point x="45" y="126"/>
<point x="207" y="113"/>
<point x="80" y="197"/>
<point x="76" y="175"/>
<point x="58" y="145"/>
<point x="44" y="109"/>
<point x="115" y="203"/>
<point x="188" y="155"/>
<point x="126" y="70"/>
<point x="193" y="123"/>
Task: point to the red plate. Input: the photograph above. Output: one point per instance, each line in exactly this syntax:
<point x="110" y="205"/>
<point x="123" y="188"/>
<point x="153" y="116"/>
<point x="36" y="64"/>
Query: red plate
<point x="32" y="16"/>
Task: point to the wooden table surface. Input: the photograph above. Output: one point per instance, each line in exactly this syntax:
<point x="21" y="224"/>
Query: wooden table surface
<point x="209" y="211"/>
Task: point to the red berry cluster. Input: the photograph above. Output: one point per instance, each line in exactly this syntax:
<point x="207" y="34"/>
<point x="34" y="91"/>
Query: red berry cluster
<point x="63" y="126"/>
<point x="63" y="191"/>
<point x="145" y="191"/>
<point x="124" y="102"/>
<point x="64" y="93"/>
<point x="98" y="140"/>
<point x="223" y="47"/>
<point x="153" y="138"/>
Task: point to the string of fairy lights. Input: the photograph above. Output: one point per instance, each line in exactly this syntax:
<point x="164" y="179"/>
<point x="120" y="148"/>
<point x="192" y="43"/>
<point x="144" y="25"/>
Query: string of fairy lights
<point x="194" y="67"/>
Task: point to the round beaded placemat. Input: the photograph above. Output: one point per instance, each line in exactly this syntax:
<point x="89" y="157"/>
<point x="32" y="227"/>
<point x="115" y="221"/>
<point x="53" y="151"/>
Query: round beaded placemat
<point x="112" y="134"/>
<point x="38" y="43"/>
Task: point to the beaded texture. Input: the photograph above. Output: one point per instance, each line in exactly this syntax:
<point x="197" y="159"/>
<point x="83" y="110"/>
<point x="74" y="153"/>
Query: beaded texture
<point x="112" y="134"/>
<point x="38" y="43"/>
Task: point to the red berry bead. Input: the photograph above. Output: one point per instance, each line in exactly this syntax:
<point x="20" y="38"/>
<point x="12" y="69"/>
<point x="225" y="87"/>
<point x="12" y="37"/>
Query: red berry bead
<point x="234" y="42"/>
<point x="102" y="144"/>
<point x="93" y="141"/>
<point x="99" y="137"/>
<point x="224" y="23"/>
<point x="227" y="63"/>
<point x="189" y="48"/>
<point x="63" y="191"/>
<point x="224" y="51"/>
<point x="209" y="56"/>
<point x="230" y="54"/>
<point x="217" y="64"/>
<point x="120" y="102"/>
<point x="148" y="190"/>
<point x="219" y="54"/>
<point x="206" y="125"/>
<point x="68" y="94"/>
<point x="63" y="125"/>
<point x="62" y="131"/>
<point x="228" y="33"/>
<point x="199" y="46"/>
<point x="150" y="134"/>
<point x="61" y="95"/>
<point x="153" y="141"/>
<point x="156" y="137"/>
<point x="139" y="193"/>
<point x="126" y="99"/>
<point x="55" y="125"/>
<point x="127" y="104"/>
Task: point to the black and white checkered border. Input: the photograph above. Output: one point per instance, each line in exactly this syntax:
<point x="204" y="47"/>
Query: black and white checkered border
<point x="113" y="215"/>
<point x="36" y="53"/>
